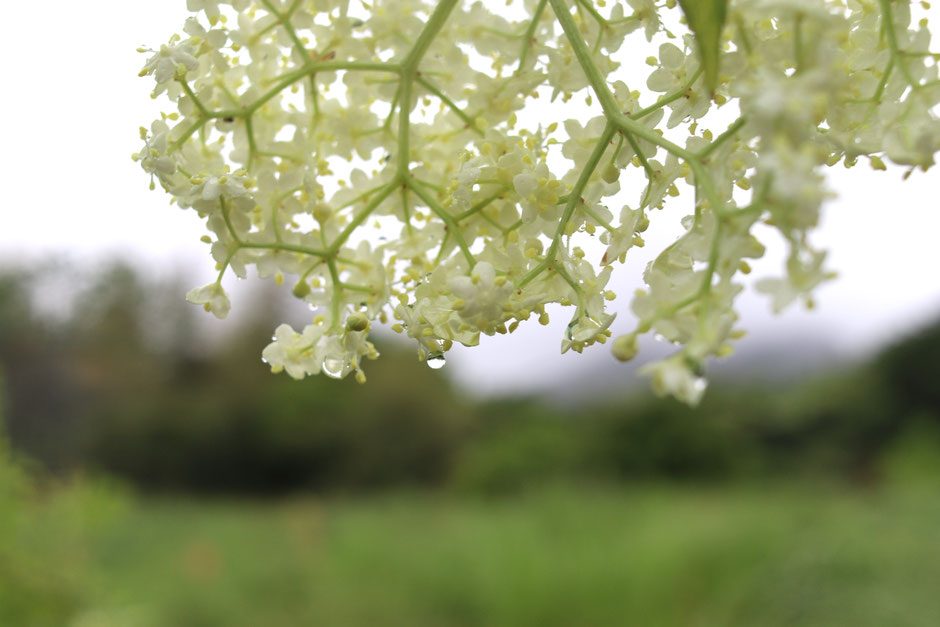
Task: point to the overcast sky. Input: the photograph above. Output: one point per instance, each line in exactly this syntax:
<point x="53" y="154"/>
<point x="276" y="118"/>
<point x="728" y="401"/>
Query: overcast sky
<point x="73" y="102"/>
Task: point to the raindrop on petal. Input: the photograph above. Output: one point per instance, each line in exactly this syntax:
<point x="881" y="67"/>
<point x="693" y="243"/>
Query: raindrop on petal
<point x="333" y="367"/>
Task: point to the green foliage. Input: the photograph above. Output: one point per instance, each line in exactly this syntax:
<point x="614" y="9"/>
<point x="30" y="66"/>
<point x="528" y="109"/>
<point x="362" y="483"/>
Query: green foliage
<point x="772" y="556"/>
<point x="515" y="445"/>
<point x="46" y="543"/>
<point x="913" y="459"/>
<point x="731" y="545"/>
<point x="910" y="368"/>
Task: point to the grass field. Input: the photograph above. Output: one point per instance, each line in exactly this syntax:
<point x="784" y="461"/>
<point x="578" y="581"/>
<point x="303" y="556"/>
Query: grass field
<point x="646" y="556"/>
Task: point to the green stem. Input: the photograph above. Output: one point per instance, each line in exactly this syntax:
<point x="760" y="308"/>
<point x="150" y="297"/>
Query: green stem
<point x="431" y="29"/>
<point x="650" y="174"/>
<point x="192" y="95"/>
<point x="362" y="216"/>
<point x="798" y="51"/>
<point x="284" y="19"/>
<point x="252" y="146"/>
<point x="599" y="84"/>
<point x="587" y="6"/>
<point x="528" y="36"/>
<point x="668" y="98"/>
<point x="452" y="226"/>
<point x="288" y="79"/>
<point x="574" y="199"/>
<point x="718" y="141"/>
<point x="176" y="145"/>
<point x="887" y="21"/>
<point x="228" y="221"/>
<point x="449" y="103"/>
<point x="292" y="248"/>
<point x="337" y="292"/>
<point x="404" y="128"/>
<point x="479" y="206"/>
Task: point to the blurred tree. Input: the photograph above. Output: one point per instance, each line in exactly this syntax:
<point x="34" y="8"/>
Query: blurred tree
<point x="101" y="383"/>
<point x="910" y="369"/>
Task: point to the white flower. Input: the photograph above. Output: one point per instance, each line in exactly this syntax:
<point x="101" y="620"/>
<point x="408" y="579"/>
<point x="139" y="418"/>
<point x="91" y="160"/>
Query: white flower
<point x="211" y="188"/>
<point x="537" y="190"/>
<point x="583" y="331"/>
<point x="295" y="353"/>
<point x="165" y="62"/>
<point x="675" y="71"/>
<point x="212" y="297"/>
<point x="674" y="376"/>
<point x="419" y="328"/>
<point x="914" y="142"/>
<point x="804" y="273"/>
<point x="623" y="237"/>
<point x="663" y="181"/>
<point x="482" y="296"/>
<point x="647" y="14"/>
<point x="154" y="158"/>
<point x="795" y="189"/>
<point x="342" y="353"/>
<point x="294" y="130"/>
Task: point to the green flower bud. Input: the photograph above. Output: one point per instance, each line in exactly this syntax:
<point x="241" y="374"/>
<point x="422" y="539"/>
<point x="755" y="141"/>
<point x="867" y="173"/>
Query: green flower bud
<point x="301" y="289"/>
<point x="625" y="347"/>
<point x="357" y="322"/>
<point x="611" y="173"/>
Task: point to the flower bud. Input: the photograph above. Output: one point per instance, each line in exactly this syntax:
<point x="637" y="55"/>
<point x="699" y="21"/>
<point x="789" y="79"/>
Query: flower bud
<point x="322" y="212"/>
<point x="301" y="289"/>
<point x="611" y="173"/>
<point x="357" y="322"/>
<point x="625" y="347"/>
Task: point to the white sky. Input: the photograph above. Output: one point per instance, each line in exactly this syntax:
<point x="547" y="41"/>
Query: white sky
<point x="73" y="102"/>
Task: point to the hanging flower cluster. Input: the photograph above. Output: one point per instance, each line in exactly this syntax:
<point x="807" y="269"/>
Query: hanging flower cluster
<point x="301" y="129"/>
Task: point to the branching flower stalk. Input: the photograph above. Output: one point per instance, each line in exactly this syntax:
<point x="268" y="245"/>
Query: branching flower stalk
<point x="273" y="98"/>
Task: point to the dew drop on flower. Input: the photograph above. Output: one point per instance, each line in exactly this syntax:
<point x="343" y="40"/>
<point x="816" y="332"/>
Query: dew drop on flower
<point x="333" y="368"/>
<point x="436" y="362"/>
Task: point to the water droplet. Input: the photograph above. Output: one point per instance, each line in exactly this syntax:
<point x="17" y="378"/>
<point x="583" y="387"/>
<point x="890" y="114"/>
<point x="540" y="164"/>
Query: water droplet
<point x="700" y="384"/>
<point x="333" y="367"/>
<point x="436" y="362"/>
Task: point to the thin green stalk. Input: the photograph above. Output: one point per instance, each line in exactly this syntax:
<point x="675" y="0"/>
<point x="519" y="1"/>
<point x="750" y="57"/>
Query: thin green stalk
<point x="527" y="37"/>
<point x="718" y="141"/>
<point x="668" y="98"/>
<point x="450" y="104"/>
<point x="362" y="216"/>
<point x="479" y="206"/>
<point x="437" y="209"/>
<point x="601" y="89"/>
<point x="574" y="198"/>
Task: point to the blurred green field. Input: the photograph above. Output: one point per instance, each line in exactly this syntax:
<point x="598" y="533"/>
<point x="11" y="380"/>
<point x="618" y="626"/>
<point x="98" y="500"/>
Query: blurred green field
<point x="562" y="556"/>
<point x="814" y="505"/>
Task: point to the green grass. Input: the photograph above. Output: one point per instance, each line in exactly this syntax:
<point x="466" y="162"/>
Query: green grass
<point x="651" y="556"/>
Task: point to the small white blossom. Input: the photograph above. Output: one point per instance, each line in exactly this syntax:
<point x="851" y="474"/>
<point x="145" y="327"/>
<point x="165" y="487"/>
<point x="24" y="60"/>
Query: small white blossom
<point x="483" y="296"/>
<point x="295" y="353"/>
<point x="212" y="297"/>
<point x="674" y="376"/>
<point x="165" y="63"/>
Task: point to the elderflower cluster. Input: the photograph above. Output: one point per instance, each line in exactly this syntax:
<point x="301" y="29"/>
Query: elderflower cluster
<point x="302" y="131"/>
